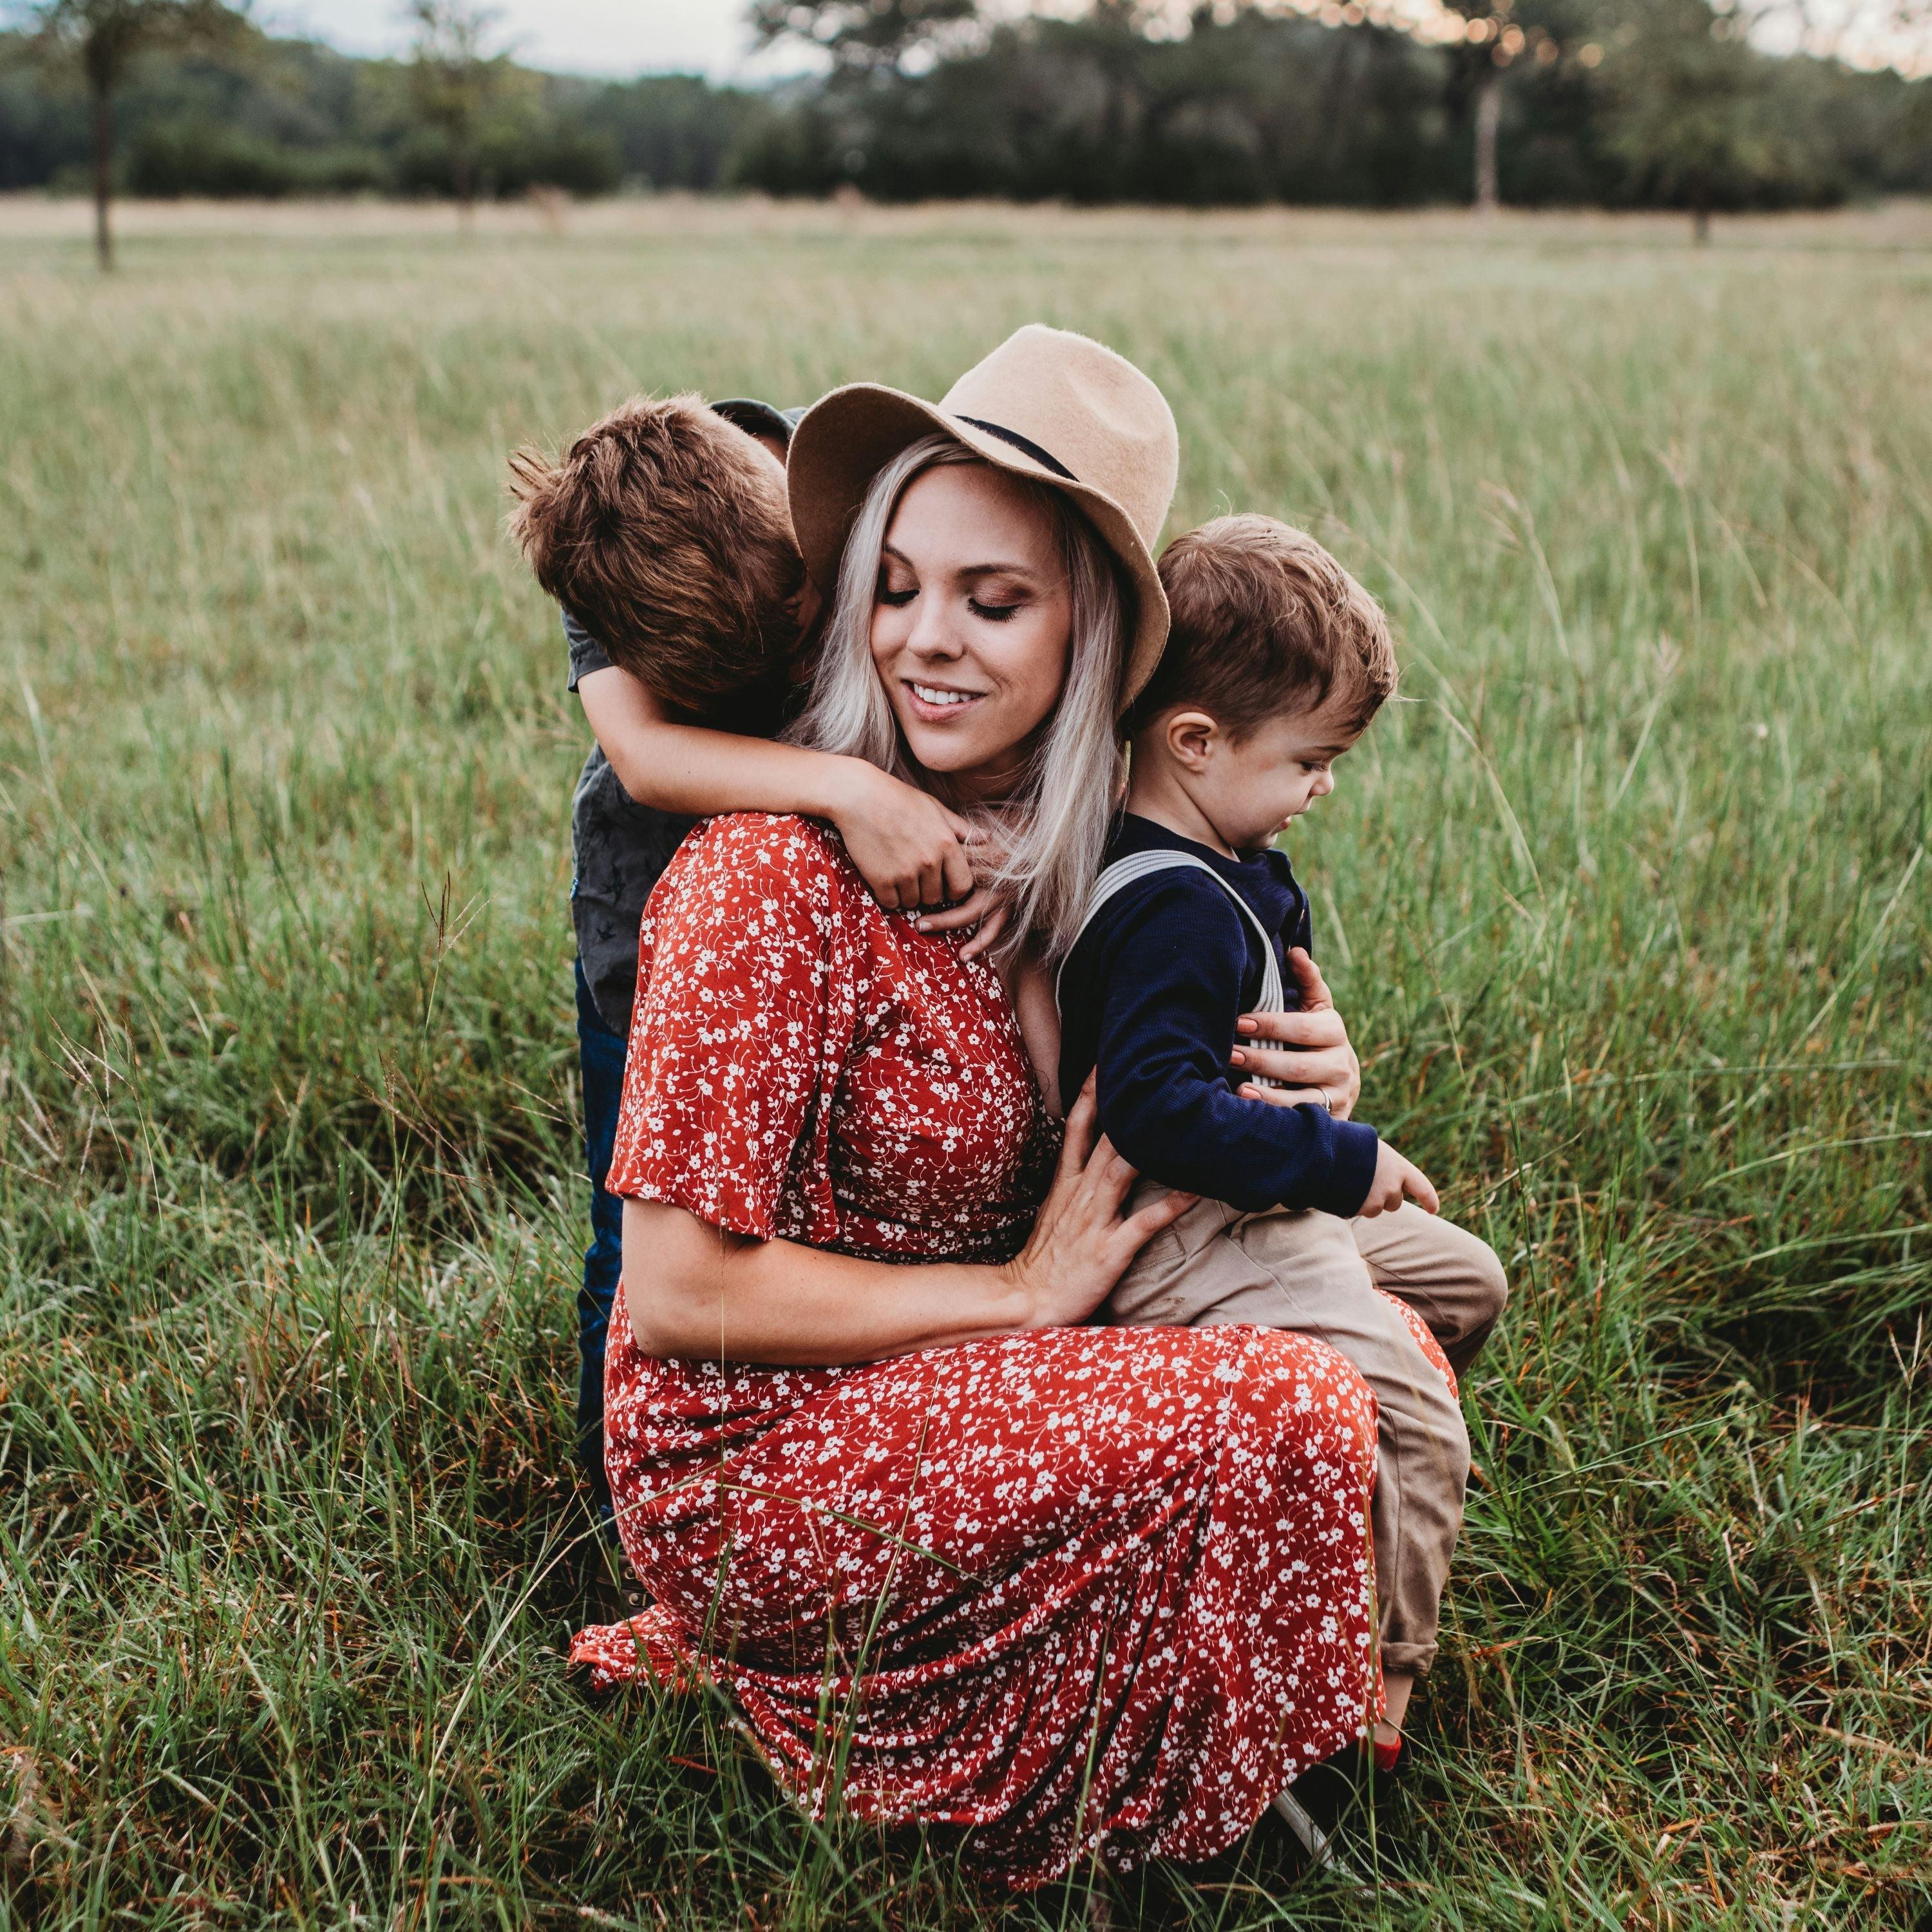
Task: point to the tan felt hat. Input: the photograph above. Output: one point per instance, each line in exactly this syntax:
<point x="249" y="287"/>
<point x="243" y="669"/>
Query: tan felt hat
<point x="1058" y="407"/>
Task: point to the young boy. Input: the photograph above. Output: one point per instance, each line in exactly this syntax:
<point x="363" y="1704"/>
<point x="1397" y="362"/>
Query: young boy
<point x="664" y="533"/>
<point x="1276" y="662"/>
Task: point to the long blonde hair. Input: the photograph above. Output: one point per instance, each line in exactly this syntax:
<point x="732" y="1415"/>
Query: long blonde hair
<point x="1044" y="853"/>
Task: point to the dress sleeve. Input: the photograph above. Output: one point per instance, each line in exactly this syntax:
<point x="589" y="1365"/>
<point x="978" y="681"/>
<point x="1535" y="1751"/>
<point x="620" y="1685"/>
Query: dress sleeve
<point x="743" y="1022"/>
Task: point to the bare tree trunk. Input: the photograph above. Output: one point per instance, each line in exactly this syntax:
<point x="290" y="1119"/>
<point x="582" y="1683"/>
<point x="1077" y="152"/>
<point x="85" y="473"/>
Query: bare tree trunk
<point x="101" y="106"/>
<point x="1488" y="117"/>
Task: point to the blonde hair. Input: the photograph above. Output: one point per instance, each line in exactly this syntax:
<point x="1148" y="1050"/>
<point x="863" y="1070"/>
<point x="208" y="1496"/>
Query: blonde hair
<point x="1048" y="837"/>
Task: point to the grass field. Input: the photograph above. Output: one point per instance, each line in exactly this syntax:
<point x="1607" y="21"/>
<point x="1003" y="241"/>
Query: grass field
<point x="1628" y="905"/>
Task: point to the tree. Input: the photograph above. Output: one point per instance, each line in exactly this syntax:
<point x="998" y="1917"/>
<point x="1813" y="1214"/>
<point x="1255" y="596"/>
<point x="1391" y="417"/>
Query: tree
<point x="874" y="45"/>
<point x="452" y="81"/>
<point x="1495" y="36"/>
<point x="864" y="36"/>
<point x="101" y="41"/>
<point x="1694" y="113"/>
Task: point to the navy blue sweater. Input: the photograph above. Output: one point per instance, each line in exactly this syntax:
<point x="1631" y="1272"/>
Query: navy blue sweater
<point x="1150" y="995"/>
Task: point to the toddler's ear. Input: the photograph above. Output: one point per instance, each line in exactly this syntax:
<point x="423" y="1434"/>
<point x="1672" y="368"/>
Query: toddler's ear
<point x="1190" y="737"/>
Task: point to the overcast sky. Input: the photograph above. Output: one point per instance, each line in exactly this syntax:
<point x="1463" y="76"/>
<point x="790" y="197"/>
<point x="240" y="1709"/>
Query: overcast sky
<point x="629" y="37"/>
<point x="616" y="36"/>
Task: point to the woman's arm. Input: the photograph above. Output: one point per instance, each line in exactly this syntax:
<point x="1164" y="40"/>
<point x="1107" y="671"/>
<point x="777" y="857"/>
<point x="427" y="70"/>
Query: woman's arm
<point x="909" y="849"/>
<point x="695" y="1292"/>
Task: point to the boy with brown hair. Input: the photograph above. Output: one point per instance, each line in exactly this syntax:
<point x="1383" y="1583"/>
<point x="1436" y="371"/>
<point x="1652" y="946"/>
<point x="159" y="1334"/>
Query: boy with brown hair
<point x="664" y="533"/>
<point x="1276" y="662"/>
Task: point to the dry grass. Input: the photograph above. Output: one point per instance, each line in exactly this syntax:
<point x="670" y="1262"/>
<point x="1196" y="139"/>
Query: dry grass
<point x="1903" y="225"/>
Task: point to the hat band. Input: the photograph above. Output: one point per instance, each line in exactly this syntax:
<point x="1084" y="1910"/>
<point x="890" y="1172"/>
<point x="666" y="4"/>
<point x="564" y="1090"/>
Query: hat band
<point x="1025" y="444"/>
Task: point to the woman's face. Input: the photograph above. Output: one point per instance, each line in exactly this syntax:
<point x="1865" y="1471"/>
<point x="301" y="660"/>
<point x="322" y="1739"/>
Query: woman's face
<point x="971" y="622"/>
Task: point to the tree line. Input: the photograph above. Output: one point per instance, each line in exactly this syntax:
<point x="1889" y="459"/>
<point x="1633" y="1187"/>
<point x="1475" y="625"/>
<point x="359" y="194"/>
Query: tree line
<point x="1617" y="104"/>
<point x="1612" y="102"/>
<point x="185" y="97"/>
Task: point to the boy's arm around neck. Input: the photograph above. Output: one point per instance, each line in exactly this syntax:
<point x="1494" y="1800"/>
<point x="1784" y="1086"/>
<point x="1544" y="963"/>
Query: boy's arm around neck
<point x="695" y="769"/>
<point x="910" y="850"/>
<point x="1169" y="968"/>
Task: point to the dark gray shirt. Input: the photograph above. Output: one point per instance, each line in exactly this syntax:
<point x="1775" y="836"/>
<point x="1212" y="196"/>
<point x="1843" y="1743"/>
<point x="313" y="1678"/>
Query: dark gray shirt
<point x="620" y="849"/>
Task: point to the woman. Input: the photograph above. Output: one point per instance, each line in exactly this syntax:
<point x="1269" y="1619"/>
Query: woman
<point x="955" y="1557"/>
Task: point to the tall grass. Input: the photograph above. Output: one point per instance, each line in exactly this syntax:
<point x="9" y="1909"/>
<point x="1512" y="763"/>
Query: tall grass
<point x="1628" y="902"/>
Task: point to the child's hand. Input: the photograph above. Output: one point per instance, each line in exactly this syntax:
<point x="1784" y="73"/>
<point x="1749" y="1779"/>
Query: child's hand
<point x="983" y="910"/>
<point x="909" y="849"/>
<point x="1395" y="1179"/>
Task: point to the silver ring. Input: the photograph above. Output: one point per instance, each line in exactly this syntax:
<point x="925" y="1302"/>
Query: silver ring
<point x="1325" y="1101"/>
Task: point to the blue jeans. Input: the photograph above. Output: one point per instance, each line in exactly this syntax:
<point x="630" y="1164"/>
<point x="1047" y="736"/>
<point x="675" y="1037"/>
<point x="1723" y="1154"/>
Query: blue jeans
<point x="600" y="1052"/>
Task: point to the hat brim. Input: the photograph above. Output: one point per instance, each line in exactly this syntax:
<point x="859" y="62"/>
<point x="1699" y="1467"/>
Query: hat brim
<point x="846" y="438"/>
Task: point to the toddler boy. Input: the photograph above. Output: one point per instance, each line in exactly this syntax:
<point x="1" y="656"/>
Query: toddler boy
<point x="1276" y="663"/>
<point x="664" y="533"/>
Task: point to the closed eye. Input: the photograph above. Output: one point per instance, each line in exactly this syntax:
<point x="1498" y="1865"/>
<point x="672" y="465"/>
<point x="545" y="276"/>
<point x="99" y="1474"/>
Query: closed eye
<point x="993" y="613"/>
<point x="897" y="599"/>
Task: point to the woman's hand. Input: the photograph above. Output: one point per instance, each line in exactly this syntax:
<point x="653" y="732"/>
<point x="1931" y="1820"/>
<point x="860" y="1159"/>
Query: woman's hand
<point x="983" y="909"/>
<point x="1318" y="1062"/>
<point x="1080" y="1243"/>
<point x="909" y="849"/>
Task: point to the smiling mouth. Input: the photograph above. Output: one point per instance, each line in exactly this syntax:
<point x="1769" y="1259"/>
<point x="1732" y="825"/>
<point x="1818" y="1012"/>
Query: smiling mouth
<point x="940" y="697"/>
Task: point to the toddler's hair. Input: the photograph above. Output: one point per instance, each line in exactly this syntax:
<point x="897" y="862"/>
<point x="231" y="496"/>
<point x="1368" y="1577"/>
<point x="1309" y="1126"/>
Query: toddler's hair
<point x="664" y="530"/>
<point x="1265" y="621"/>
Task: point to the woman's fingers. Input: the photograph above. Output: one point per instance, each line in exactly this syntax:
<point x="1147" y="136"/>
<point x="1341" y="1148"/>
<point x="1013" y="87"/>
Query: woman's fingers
<point x="1308" y="980"/>
<point x="1143" y="1223"/>
<point x="1324" y="1026"/>
<point x="1284" y="1096"/>
<point x="1081" y="1122"/>
<point x="1114" y="1175"/>
<point x="1330" y="1067"/>
<point x="1309" y="1067"/>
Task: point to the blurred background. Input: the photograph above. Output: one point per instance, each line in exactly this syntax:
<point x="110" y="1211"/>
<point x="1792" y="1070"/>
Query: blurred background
<point x="1703" y="106"/>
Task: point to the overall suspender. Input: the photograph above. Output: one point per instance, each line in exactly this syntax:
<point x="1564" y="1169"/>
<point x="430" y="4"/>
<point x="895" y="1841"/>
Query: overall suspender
<point x="1138" y="866"/>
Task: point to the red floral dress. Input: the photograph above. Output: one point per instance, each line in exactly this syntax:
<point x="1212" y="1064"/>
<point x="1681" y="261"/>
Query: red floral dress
<point x="1082" y="1587"/>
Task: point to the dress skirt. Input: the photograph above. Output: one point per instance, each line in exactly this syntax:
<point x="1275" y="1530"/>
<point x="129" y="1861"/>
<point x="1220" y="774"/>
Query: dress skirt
<point x="1076" y="1588"/>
